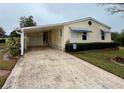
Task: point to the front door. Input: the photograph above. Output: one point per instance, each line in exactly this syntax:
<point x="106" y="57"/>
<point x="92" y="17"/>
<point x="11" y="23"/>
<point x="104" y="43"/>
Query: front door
<point x="45" y="38"/>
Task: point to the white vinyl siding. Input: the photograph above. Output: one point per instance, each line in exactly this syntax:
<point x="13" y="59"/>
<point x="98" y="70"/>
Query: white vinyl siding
<point x="94" y="36"/>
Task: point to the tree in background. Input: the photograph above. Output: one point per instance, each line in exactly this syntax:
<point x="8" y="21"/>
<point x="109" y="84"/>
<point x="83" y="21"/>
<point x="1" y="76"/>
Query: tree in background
<point x="14" y="34"/>
<point x="114" y="35"/>
<point x="27" y="21"/>
<point x="114" y="8"/>
<point x="2" y="32"/>
<point x="122" y="30"/>
<point x="118" y="37"/>
<point x="24" y="22"/>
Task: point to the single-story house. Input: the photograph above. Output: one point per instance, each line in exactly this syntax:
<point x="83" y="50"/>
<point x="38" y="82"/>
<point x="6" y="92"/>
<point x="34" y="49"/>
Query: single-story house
<point x="84" y="30"/>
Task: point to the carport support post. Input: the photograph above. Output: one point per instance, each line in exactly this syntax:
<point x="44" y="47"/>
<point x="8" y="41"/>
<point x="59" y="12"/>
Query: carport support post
<point x="22" y="42"/>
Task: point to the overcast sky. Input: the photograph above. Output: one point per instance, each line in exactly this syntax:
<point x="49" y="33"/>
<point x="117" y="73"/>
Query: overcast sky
<point x="56" y="13"/>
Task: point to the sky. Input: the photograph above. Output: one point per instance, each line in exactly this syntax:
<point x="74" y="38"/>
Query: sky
<point x="55" y="13"/>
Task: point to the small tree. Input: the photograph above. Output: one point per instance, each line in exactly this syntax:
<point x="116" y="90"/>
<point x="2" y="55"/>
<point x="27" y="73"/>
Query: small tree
<point x="14" y="46"/>
<point x="14" y="41"/>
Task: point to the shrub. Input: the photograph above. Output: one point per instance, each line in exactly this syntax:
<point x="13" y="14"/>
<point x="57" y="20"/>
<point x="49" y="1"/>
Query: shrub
<point x="14" y="46"/>
<point x="89" y="46"/>
<point x="68" y="41"/>
<point x="2" y="40"/>
<point x="118" y="37"/>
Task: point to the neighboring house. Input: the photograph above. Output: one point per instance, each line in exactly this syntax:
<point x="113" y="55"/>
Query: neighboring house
<point x="57" y="35"/>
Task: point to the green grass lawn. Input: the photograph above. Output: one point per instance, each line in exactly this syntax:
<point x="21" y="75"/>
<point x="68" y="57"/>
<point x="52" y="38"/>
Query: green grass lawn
<point x="4" y="65"/>
<point x="101" y="58"/>
<point x="2" y="81"/>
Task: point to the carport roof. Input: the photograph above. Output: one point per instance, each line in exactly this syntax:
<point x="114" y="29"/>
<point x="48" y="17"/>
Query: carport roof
<point x="41" y="28"/>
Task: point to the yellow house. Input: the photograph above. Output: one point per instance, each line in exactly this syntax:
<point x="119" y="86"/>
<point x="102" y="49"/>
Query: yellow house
<point x="84" y="30"/>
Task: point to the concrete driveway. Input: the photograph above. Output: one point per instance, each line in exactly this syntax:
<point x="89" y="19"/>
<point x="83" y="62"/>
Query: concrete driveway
<point x="51" y="68"/>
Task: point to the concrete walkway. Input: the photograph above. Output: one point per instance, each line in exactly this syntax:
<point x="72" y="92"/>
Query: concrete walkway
<point x="50" y="68"/>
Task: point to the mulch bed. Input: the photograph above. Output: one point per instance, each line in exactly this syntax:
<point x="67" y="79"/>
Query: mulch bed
<point x="118" y="60"/>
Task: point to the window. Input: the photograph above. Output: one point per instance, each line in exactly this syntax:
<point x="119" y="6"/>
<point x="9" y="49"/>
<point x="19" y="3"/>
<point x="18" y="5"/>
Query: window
<point x="102" y="35"/>
<point x="90" y="23"/>
<point x="61" y="33"/>
<point x="84" y="36"/>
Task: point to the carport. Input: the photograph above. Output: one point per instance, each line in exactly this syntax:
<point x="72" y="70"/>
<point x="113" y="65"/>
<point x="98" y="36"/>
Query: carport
<point x="46" y="35"/>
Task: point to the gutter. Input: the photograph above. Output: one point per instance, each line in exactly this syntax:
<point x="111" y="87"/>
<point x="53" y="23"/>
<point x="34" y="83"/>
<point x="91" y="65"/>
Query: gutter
<point x="22" y="41"/>
<point x="19" y="32"/>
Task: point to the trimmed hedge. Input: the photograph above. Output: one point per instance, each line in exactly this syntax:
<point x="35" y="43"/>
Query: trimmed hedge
<point x="89" y="46"/>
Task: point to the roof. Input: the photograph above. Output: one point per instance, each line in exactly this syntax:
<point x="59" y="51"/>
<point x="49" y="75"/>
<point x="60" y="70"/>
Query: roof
<point x="69" y="22"/>
<point x="87" y="18"/>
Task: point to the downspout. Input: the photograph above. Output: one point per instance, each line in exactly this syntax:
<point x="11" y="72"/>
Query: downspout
<point x="22" y="41"/>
